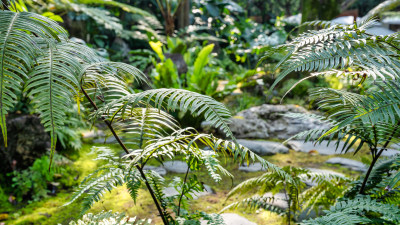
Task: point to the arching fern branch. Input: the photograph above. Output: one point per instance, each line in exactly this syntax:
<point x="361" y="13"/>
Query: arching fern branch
<point x="18" y="50"/>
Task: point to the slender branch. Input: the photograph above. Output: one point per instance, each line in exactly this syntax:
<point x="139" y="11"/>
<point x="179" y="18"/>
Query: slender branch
<point x="183" y="191"/>
<point x="375" y="158"/>
<point x="127" y="152"/>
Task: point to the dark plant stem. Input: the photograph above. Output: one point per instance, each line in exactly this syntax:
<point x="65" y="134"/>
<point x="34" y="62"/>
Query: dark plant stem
<point x="160" y="211"/>
<point x="183" y="185"/>
<point x="376" y="157"/>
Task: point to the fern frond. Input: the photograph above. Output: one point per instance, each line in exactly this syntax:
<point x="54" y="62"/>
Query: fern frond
<point x="106" y="81"/>
<point x="52" y="82"/>
<point x="355" y="208"/>
<point x="109" y="218"/>
<point x="18" y="50"/>
<point x="256" y="202"/>
<point x="172" y="99"/>
<point x="382" y="7"/>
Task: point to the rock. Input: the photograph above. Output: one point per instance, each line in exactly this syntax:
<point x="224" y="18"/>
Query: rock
<point x="160" y="170"/>
<point x="252" y="167"/>
<point x="105" y="140"/>
<point x="176" y="166"/>
<point x="234" y="219"/>
<point x="390" y="152"/>
<point x="266" y="121"/>
<point x="178" y="61"/>
<point x="27" y="141"/>
<point x="322" y="148"/>
<point x="92" y="134"/>
<point x="279" y="200"/>
<point x="316" y="171"/>
<point x="348" y="163"/>
<point x="264" y="147"/>
<point x="253" y="128"/>
<point x="171" y="191"/>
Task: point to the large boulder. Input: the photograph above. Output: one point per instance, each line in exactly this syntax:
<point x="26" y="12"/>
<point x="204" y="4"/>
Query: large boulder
<point x="264" y="147"/>
<point x="27" y="141"/>
<point x="267" y="121"/>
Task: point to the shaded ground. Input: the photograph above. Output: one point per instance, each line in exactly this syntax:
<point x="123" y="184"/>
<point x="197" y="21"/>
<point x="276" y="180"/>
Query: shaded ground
<point x="49" y="210"/>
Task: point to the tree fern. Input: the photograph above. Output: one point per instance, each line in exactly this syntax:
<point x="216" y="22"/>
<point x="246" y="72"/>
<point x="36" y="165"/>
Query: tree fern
<point x="109" y="218"/>
<point x="354" y="212"/>
<point x="52" y="82"/>
<point x="172" y="99"/>
<point x="18" y="47"/>
<point x="340" y="46"/>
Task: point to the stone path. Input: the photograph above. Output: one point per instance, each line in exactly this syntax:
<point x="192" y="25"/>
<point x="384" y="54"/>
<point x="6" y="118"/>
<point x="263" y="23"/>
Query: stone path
<point x="322" y="148"/>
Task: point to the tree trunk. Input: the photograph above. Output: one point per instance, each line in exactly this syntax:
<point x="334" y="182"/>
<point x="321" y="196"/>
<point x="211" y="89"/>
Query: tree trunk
<point x="183" y="15"/>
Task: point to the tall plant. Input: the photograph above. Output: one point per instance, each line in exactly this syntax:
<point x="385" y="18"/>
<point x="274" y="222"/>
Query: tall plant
<point x="368" y="118"/>
<point x="37" y="58"/>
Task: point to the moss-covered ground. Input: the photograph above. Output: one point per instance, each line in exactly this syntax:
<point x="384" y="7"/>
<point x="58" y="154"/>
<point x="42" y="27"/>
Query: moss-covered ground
<point x="50" y="210"/>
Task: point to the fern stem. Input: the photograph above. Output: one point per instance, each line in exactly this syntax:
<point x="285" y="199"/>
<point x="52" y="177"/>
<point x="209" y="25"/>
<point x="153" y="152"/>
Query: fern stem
<point x="376" y="157"/>
<point x="160" y="211"/>
<point x="183" y="191"/>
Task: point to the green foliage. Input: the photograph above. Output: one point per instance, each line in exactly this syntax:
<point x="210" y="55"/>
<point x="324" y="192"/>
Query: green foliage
<point x="32" y="183"/>
<point x="109" y="218"/>
<point x="298" y="198"/>
<point x="357" y="211"/>
<point x="200" y="76"/>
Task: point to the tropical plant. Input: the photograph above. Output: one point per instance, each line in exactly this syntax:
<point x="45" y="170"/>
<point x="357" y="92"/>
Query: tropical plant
<point x="37" y="58"/>
<point x="379" y="204"/>
<point x="289" y="197"/>
<point x="109" y="218"/>
<point x="368" y="118"/>
<point x="32" y="183"/>
<point x="200" y="76"/>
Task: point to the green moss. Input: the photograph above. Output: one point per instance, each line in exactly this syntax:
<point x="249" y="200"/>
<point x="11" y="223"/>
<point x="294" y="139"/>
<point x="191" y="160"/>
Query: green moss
<point x="120" y="200"/>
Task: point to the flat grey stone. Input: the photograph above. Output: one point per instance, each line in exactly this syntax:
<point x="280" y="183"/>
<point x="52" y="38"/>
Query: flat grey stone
<point x="252" y="167"/>
<point x="92" y="134"/>
<point x="232" y="219"/>
<point x="160" y="170"/>
<point x="278" y="200"/>
<point x="264" y="147"/>
<point x="105" y="140"/>
<point x="176" y="166"/>
<point x="390" y="152"/>
<point x="322" y="149"/>
<point x="171" y="191"/>
<point x="348" y="163"/>
<point x="310" y="182"/>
